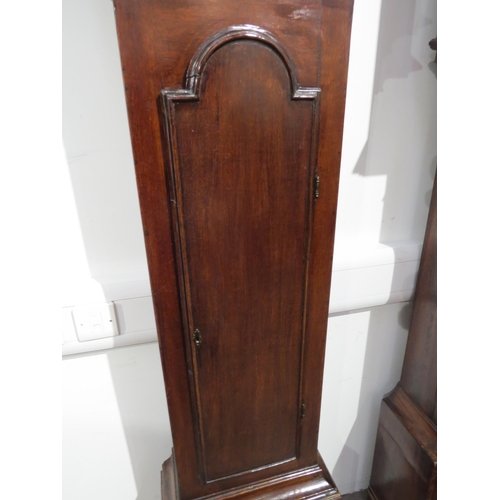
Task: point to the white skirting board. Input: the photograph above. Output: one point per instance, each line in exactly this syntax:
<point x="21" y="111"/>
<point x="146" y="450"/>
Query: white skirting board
<point x="363" y="276"/>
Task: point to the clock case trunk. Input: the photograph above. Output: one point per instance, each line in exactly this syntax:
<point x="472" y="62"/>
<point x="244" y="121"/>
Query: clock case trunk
<point x="236" y="116"/>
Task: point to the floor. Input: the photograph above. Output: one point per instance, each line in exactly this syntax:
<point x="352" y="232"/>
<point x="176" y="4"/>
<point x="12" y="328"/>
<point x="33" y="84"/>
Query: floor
<point x="360" y="495"/>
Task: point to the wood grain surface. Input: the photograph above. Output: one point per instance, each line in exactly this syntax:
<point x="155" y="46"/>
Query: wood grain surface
<point x="237" y="165"/>
<point x="245" y="207"/>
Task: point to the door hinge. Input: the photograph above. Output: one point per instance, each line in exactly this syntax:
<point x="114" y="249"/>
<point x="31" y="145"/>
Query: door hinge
<point x="316" y="186"/>
<point x="302" y="411"/>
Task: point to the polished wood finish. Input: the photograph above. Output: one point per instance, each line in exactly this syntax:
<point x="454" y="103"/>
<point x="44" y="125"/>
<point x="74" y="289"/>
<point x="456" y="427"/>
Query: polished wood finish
<point x="405" y="452"/>
<point x="237" y="165"/>
<point x="433" y="46"/>
<point x="313" y="482"/>
<point x="405" y="459"/>
<point x="359" y="495"/>
<point x="249" y="209"/>
<point x="418" y="377"/>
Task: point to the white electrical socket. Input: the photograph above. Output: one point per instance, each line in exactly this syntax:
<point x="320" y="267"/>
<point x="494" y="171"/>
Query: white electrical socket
<point x="95" y="321"/>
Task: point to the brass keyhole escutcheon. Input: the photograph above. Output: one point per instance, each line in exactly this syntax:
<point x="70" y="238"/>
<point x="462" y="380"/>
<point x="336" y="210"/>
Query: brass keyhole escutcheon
<point x="197" y="338"/>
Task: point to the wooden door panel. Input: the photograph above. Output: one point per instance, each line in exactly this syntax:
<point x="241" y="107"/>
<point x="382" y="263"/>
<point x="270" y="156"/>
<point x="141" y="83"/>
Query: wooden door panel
<point x="243" y="150"/>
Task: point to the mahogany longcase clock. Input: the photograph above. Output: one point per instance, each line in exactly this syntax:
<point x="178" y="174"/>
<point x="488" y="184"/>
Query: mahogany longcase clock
<point x="236" y="115"/>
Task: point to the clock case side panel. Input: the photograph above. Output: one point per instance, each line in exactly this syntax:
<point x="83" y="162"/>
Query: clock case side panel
<point x="143" y="83"/>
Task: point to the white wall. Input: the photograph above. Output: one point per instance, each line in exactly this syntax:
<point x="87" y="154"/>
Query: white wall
<point x="116" y="430"/>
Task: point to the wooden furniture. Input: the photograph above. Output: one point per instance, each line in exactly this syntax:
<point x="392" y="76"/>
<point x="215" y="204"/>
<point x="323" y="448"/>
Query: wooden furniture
<point x="405" y="459"/>
<point x="359" y="495"/>
<point x="237" y="165"/>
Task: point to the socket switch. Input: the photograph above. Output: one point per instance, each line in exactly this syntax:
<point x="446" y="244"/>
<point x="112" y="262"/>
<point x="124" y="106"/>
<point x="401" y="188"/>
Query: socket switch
<point x="95" y="321"/>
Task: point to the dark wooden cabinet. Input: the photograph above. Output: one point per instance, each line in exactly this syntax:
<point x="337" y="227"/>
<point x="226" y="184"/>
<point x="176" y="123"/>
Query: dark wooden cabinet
<point x="236" y="116"/>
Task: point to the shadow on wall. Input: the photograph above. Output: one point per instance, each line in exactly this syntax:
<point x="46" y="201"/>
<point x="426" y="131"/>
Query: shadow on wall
<point x="97" y="143"/>
<point x="115" y="424"/>
<point x="402" y="134"/>
<point x="140" y="394"/>
<point x="100" y="164"/>
<point x="401" y="146"/>
<point x="356" y="421"/>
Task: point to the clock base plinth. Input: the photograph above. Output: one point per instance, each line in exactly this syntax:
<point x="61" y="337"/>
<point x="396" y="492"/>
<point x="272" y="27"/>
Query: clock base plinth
<point x="313" y="483"/>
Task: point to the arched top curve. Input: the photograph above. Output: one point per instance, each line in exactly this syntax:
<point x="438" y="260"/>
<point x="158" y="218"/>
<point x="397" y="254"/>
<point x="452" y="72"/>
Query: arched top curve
<point x="243" y="32"/>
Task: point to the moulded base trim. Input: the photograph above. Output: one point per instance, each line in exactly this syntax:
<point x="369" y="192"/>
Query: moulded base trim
<point x="311" y="483"/>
